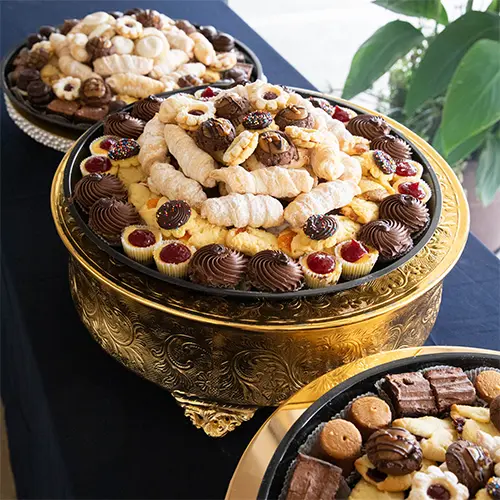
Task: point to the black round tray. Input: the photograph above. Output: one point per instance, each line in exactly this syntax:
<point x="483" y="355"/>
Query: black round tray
<point x="339" y="397"/>
<point x="81" y="150"/>
<point x="61" y="126"/>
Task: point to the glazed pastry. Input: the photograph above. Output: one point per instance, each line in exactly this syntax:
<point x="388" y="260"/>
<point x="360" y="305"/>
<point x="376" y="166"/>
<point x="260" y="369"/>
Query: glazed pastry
<point x="97" y="164"/>
<point x="124" y="153"/>
<point x="410" y="394"/>
<point x="488" y="385"/>
<point x="390" y="238"/>
<point x="93" y="187"/>
<point x="241" y="148"/>
<point x="294" y="115"/>
<point x="215" y="134"/>
<point x="173" y="258"/>
<point x="194" y="162"/>
<point x="123" y="125"/>
<point x="267" y="97"/>
<point x="434" y="483"/>
<point x="369" y="414"/>
<point x="67" y="89"/>
<point x="153" y="145"/>
<point x="394" y="146"/>
<point x="95" y="93"/>
<point x="274" y="181"/>
<point x="173" y="184"/>
<point x="108" y="218"/>
<point x="146" y="109"/>
<point x="139" y="242"/>
<point x="275" y="148"/>
<point x="357" y="259"/>
<point x="368" y="126"/>
<point x="324" y="198"/>
<point x="102" y="145"/>
<point x="134" y="85"/>
<point x="217" y="266"/>
<point x="274" y="271"/>
<point x="233" y="107"/>
<point x="203" y="49"/>
<point x="320" y="270"/>
<point x="251" y="241"/>
<point x="304" y="137"/>
<point x="406" y="210"/>
<point x="418" y="189"/>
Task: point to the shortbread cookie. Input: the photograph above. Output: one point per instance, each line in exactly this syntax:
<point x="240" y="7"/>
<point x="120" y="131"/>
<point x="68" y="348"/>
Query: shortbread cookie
<point x="204" y="233"/>
<point x="128" y="27"/>
<point x="203" y="49"/>
<point x="68" y="88"/>
<point x="171" y="106"/>
<point x="50" y="74"/>
<point x="476" y="413"/>
<point x="322" y="199"/>
<point x="426" y="485"/>
<point x="126" y="63"/>
<point x="77" y="43"/>
<point x="134" y="85"/>
<point x="173" y="184"/>
<point x="266" y="97"/>
<point x="471" y="428"/>
<point x="274" y="181"/>
<point x="364" y="490"/>
<point x="193" y="161"/>
<point x="361" y="210"/>
<point x="487" y="382"/>
<point x="304" y="137"/>
<point x="251" y="241"/>
<point x="241" y="148"/>
<point x="138" y="194"/>
<point x="382" y="482"/>
<point x="194" y="113"/>
<point x="241" y="210"/>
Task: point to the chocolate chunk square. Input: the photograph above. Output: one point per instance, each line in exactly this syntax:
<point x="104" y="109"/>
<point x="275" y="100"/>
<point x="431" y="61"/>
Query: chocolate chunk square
<point x="411" y="394"/>
<point x="450" y="386"/>
<point x="63" y="108"/>
<point x="314" y="479"/>
<point x="246" y="68"/>
<point x="88" y="114"/>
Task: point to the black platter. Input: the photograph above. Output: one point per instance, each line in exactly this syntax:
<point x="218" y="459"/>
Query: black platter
<point x="337" y="399"/>
<point x="80" y="151"/>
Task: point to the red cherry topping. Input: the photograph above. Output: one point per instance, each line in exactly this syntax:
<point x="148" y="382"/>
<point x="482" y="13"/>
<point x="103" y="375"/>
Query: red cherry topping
<point x="321" y="263"/>
<point x="412" y="188"/>
<point x="107" y="143"/>
<point x="208" y="92"/>
<point x="353" y="251"/>
<point x="405" y="169"/>
<point x="141" y="238"/>
<point x="175" y="253"/>
<point x="341" y="115"/>
<point x="97" y="164"/>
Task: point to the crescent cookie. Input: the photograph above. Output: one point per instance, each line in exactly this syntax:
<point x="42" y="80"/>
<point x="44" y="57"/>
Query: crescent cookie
<point x="274" y="181"/>
<point x="241" y="210"/>
<point x="193" y="161"/>
<point x="203" y="49"/>
<point x="134" y="85"/>
<point x="241" y="148"/>
<point x="304" y="137"/>
<point x="123" y="63"/>
<point x="326" y="161"/>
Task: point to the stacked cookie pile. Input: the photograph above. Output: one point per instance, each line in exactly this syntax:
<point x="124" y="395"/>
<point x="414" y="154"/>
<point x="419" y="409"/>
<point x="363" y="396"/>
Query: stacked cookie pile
<point x="273" y="187"/>
<point x="427" y="435"/>
<point x="89" y="67"/>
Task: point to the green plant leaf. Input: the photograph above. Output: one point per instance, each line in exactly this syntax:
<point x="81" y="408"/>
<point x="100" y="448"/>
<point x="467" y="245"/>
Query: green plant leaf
<point x="494" y="6"/>
<point x="434" y="73"/>
<point x="472" y="103"/>
<point x="488" y="170"/>
<point x="430" y="9"/>
<point x="378" y="54"/>
<point x="462" y="151"/>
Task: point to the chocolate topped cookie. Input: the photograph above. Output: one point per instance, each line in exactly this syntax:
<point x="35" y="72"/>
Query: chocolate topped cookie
<point x="215" y="134"/>
<point x="393" y="146"/>
<point x="146" y="109"/>
<point x="294" y="115"/>
<point x="368" y="126"/>
<point x="275" y="148"/>
<point x="123" y="125"/>
<point x="233" y="107"/>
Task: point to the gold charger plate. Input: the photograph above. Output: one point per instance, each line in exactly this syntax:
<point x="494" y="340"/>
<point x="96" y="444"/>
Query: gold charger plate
<point x="248" y="475"/>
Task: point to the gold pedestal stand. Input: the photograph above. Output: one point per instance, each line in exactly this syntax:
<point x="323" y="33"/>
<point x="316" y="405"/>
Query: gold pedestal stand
<point x="223" y="358"/>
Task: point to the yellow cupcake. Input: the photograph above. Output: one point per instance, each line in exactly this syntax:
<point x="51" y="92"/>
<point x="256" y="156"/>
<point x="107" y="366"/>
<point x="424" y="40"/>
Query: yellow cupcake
<point x="139" y="242"/>
<point x="101" y="145"/>
<point x="320" y="269"/>
<point x="362" y="266"/>
<point x="402" y="187"/>
<point x="250" y="240"/>
<point x="98" y="164"/>
<point x="172" y="258"/>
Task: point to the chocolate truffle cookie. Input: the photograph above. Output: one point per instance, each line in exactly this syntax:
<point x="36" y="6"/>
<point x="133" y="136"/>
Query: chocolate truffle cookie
<point x="233" y="107"/>
<point x="294" y="115"/>
<point x="215" y="134"/>
<point x="275" y="148"/>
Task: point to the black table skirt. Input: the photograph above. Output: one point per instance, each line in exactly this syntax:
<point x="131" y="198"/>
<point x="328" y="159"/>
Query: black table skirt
<point x="79" y="424"/>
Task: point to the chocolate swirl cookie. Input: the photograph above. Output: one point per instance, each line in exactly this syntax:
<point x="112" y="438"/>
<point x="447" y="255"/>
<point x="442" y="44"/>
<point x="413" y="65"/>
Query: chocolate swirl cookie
<point x="215" y="134"/>
<point x="294" y="115"/>
<point x="146" y="108"/>
<point x="274" y="271"/>
<point x="108" y="217"/>
<point x="93" y="187"/>
<point x="394" y="451"/>
<point x="405" y="209"/>
<point x="320" y="227"/>
<point x="393" y="146"/>
<point x="392" y="239"/>
<point x="275" y="148"/>
<point x="95" y="93"/>
<point x="149" y="19"/>
<point x="123" y="125"/>
<point x="39" y="93"/>
<point x="233" y="107"/>
<point x="218" y="266"/>
<point x="173" y="214"/>
<point x="368" y="126"/>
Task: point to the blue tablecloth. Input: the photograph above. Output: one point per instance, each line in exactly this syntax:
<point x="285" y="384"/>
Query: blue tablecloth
<point x="79" y="424"/>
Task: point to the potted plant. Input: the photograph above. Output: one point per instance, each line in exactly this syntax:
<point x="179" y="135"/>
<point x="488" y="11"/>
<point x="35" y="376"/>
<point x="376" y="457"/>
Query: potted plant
<point x="444" y="83"/>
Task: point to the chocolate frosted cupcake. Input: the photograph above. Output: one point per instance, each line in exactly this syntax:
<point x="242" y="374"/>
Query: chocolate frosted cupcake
<point x="393" y="146"/>
<point x="275" y="148"/>
<point x="392" y="239"/>
<point x="108" y="217"/>
<point x="93" y="187"/>
<point x="274" y="271"/>
<point x="123" y="125"/>
<point x="294" y="115"/>
<point x="233" y="107"/>
<point x="146" y="109"/>
<point x="320" y="227"/>
<point x="368" y="126"/>
<point x="218" y="266"/>
<point x="215" y="134"/>
<point x="173" y="216"/>
<point x="405" y="209"/>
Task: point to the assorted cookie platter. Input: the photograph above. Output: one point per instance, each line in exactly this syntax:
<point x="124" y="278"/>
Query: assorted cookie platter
<point x="427" y="428"/>
<point x="73" y="75"/>
<point x="254" y="190"/>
